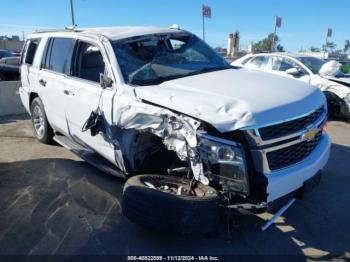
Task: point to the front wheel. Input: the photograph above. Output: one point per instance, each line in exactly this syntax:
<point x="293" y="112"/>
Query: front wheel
<point x="42" y="129"/>
<point x="167" y="204"/>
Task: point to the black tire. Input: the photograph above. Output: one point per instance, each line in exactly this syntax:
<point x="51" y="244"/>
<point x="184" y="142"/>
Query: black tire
<point x="167" y="212"/>
<point x="46" y="134"/>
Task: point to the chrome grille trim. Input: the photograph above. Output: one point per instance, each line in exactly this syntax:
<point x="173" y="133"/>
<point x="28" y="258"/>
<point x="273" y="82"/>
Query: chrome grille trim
<point x="260" y="148"/>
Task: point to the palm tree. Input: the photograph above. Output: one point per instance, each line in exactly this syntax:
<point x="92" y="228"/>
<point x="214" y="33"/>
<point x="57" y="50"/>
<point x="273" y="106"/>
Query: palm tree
<point x="347" y="46"/>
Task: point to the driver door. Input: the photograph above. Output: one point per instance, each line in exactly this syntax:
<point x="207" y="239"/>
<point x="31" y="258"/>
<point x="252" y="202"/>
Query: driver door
<point x="279" y="66"/>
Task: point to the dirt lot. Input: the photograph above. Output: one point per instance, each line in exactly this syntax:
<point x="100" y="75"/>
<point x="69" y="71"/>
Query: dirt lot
<point x="53" y="203"/>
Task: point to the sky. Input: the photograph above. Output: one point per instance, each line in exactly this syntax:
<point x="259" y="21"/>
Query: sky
<point x="304" y="23"/>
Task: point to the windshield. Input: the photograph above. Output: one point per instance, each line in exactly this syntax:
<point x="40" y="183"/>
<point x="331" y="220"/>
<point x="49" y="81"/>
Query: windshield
<point x="313" y="63"/>
<point x="158" y="58"/>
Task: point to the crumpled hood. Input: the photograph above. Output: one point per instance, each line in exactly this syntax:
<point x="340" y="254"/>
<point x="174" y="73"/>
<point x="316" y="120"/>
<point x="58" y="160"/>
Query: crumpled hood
<point x="235" y="98"/>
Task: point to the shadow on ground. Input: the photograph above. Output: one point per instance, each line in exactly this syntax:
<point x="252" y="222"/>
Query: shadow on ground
<point x="61" y="206"/>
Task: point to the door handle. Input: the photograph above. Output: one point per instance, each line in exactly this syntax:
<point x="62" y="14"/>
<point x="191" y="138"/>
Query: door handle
<point x="42" y="82"/>
<point x="67" y="92"/>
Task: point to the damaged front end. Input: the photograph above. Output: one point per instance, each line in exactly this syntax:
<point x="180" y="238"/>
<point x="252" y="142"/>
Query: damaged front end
<point x="206" y="158"/>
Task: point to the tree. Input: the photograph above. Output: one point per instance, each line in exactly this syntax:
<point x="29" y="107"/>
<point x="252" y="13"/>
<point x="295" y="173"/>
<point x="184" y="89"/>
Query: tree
<point x="266" y="44"/>
<point x="330" y="45"/>
<point x="347" y="46"/>
<point x="314" y="49"/>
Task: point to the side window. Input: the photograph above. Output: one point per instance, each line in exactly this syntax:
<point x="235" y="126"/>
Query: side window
<point x="282" y="64"/>
<point x="176" y="43"/>
<point x="30" y="51"/>
<point x="58" y="56"/>
<point x="88" y="63"/>
<point x="259" y="62"/>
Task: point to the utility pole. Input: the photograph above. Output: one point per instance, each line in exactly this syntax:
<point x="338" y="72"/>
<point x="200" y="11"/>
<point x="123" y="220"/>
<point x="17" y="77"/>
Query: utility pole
<point x="72" y="13"/>
<point x="329" y="34"/>
<point x="203" y="26"/>
<point x="22" y="35"/>
<point x="206" y="12"/>
<point x="278" y="23"/>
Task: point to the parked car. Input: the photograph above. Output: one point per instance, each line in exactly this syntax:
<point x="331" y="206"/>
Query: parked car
<point x="162" y="109"/>
<point x="9" y="68"/>
<point x="6" y="53"/>
<point x="304" y="68"/>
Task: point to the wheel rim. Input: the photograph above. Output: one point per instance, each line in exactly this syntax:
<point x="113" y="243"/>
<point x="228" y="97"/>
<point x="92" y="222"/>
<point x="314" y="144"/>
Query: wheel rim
<point x="38" y="122"/>
<point x="171" y="187"/>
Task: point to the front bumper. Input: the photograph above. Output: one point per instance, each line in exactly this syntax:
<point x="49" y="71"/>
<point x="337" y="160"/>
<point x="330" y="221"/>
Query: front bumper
<point x="286" y="181"/>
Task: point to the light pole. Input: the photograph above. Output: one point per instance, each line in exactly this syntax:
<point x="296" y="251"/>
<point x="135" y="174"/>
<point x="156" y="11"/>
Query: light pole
<point x="72" y="13"/>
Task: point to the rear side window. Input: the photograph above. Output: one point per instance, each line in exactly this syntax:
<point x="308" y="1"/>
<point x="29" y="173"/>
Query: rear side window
<point x="58" y="55"/>
<point x="30" y="51"/>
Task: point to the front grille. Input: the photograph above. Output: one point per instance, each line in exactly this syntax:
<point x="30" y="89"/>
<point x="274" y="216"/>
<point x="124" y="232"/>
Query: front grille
<point x="293" y="154"/>
<point x="290" y="127"/>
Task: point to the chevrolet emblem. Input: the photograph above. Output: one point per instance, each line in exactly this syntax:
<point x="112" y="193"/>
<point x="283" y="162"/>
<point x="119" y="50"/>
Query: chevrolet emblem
<point x="310" y="134"/>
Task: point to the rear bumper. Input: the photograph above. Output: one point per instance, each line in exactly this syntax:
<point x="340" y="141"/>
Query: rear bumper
<point x="286" y="181"/>
<point x="24" y="98"/>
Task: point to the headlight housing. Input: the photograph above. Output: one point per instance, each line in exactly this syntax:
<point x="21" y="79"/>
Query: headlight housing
<point x="224" y="162"/>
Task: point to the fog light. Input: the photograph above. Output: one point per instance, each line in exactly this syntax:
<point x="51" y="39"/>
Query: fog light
<point x="226" y="154"/>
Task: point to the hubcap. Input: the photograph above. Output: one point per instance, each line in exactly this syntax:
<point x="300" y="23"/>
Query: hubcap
<point x="38" y="122"/>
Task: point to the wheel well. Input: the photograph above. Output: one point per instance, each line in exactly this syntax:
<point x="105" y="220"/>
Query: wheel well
<point x="31" y="98"/>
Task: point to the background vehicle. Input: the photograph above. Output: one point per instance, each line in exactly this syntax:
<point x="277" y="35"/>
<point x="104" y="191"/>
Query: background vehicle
<point x="9" y="68"/>
<point x="6" y="53"/>
<point x="162" y="103"/>
<point x="304" y="68"/>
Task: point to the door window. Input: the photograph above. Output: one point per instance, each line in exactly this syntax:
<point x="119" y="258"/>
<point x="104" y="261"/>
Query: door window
<point x="88" y="63"/>
<point x="259" y="62"/>
<point x="30" y="51"/>
<point x="282" y="64"/>
<point x="58" y="56"/>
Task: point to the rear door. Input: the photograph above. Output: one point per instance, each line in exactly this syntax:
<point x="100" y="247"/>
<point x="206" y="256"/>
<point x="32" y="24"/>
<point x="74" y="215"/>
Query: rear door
<point x="85" y="95"/>
<point x="55" y="67"/>
<point x="29" y="71"/>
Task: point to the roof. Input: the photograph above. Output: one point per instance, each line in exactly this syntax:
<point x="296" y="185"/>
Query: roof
<point x="294" y="55"/>
<point x="116" y="33"/>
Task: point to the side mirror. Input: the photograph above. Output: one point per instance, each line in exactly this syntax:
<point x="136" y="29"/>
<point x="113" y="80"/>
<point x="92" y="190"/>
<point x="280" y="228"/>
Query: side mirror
<point x="294" y="72"/>
<point x="105" y="81"/>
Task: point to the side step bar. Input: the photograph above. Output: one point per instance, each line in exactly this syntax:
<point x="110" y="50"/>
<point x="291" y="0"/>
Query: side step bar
<point x="278" y="214"/>
<point x="89" y="156"/>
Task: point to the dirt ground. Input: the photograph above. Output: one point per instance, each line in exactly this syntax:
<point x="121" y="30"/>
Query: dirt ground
<point x="53" y="203"/>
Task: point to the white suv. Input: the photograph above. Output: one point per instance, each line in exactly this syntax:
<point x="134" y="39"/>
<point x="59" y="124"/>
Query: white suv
<point x="162" y="105"/>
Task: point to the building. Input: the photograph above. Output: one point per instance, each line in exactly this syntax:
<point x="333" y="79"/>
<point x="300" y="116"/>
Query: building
<point x="13" y="43"/>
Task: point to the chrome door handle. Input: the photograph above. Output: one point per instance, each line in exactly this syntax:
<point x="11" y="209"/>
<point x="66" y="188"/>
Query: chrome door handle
<point x="42" y="82"/>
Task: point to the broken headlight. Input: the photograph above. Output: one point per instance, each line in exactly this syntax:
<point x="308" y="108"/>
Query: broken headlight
<point x="224" y="163"/>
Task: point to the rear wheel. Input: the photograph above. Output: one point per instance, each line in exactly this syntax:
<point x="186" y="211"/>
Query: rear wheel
<point x="42" y="129"/>
<point x="167" y="204"/>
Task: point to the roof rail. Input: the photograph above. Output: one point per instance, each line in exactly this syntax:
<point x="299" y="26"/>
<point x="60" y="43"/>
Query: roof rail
<point x="67" y="29"/>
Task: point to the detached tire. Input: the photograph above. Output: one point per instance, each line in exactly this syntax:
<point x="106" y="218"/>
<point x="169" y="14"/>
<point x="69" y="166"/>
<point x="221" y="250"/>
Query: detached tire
<point x="169" y="212"/>
<point x="42" y="129"/>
